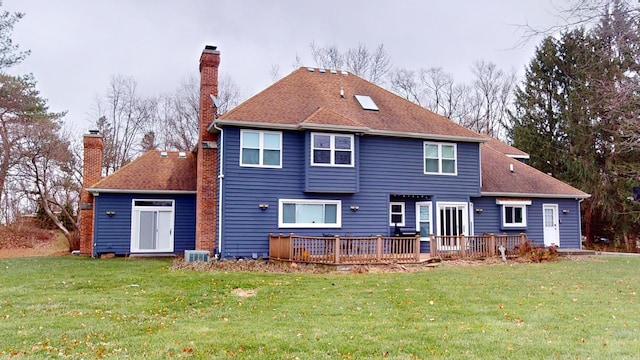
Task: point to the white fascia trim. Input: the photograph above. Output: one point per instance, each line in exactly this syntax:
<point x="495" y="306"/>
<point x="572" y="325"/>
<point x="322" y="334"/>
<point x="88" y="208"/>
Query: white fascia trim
<point x="251" y="124"/>
<point x="97" y="192"/>
<point x="363" y="130"/>
<point x="513" y="202"/>
<point x="548" y="196"/>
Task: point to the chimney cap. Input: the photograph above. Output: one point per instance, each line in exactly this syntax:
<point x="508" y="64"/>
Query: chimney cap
<point x="210" y="47"/>
<point x="94" y="132"/>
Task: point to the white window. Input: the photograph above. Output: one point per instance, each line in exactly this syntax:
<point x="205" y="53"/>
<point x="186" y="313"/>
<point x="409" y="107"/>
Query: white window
<point x="260" y="148"/>
<point x="396" y="213"/>
<point x="440" y="158"/>
<point x="514" y="212"/>
<point x="310" y="213"/>
<point x="331" y="149"/>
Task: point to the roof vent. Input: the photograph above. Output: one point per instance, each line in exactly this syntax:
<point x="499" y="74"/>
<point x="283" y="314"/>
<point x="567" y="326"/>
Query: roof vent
<point x="164" y="154"/>
<point x="310" y="69"/>
<point x="322" y="70"/>
<point x="344" y="73"/>
<point x="342" y="92"/>
<point x="182" y="154"/>
<point x="366" y="102"/>
<point x="333" y="71"/>
<point x="511" y="167"/>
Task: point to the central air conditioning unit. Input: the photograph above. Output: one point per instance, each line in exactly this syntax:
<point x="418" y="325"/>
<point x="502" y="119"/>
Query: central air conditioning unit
<point x="196" y="255"/>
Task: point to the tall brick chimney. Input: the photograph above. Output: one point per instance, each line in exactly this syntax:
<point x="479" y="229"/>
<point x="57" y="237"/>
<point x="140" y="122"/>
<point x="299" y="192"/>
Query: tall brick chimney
<point x="91" y="174"/>
<point x="207" y="166"/>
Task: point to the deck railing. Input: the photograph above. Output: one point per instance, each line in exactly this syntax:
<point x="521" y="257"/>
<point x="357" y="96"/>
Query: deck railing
<point x="483" y="246"/>
<point x="344" y="250"/>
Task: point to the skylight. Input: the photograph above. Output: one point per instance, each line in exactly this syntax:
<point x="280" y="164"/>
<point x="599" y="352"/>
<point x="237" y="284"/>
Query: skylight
<point x="367" y="102"/>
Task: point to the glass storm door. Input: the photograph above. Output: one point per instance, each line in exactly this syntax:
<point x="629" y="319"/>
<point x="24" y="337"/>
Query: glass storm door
<point x="551" y="230"/>
<point x="423" y="220"/>
<point x="452" y="222"/>
<point x="152" y="226"/>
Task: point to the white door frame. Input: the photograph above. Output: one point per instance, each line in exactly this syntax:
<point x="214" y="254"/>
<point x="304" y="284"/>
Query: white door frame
<point x="453" y="243"/>
<point x="551" y="229"/>
<point x="427" y="204"/>
<point x="163" y="230"/>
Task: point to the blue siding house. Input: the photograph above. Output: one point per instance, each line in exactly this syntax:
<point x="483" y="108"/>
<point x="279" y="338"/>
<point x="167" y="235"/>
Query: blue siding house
<point x="324" y="152"/>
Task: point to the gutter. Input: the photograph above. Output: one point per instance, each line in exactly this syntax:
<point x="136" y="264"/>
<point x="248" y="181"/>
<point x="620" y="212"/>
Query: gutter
<point x="98" y="191"/>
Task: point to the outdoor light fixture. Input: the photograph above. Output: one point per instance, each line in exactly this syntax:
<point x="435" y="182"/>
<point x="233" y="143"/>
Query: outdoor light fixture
<point x="479" y="210"/>
<point x="354" y="207"/>
<point x="263" y="206"/>
<point x="565" y="211"/>
<point x="110" y="213"/>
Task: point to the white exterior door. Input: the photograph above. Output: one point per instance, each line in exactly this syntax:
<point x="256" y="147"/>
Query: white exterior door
<point x="424" y="220"/>
<point x="550" y="221"/>
<point x="452" y="221"/>
<point x="152" y="226"/>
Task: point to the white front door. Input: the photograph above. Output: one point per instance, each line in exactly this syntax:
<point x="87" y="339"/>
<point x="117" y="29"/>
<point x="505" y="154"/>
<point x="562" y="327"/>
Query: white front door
<point x="452" y="221"/>
<point x="551" y="229"/>
<point x="152" y="226"/>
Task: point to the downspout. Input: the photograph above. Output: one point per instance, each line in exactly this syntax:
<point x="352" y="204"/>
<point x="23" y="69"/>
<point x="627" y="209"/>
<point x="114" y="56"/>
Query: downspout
<point x="220" y="178"/>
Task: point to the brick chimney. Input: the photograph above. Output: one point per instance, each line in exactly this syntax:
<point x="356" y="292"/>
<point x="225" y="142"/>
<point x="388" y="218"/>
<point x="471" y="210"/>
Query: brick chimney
<point x="207" y="165"/>
<point x="91" y="174"/>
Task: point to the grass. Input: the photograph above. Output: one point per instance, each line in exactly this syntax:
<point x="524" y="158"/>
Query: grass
<point x="72" y="307"/>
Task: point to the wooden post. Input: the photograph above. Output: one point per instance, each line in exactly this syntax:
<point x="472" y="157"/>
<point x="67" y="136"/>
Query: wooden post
<point x="432" y="245"/>
<point x="492" y="245"/>
<point x="523" y="238"/>
<point x="416" y="248"/>
<point x="379" y="247"/>
<point x="290" y="242"/>
<point x="336" y="258"/>
<point x="463" y="246"/>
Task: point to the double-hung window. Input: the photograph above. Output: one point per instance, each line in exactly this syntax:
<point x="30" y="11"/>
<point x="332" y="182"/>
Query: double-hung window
<point x="331" y="149"/>
<point x="440" y="158"/>
<point x="260" y="148"/>
<point x="396" y="214"/>
<point x="310" y="213"/>
<point x="514" y="213"/>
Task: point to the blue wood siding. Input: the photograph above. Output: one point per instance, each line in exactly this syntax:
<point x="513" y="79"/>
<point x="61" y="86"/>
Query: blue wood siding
<point x="113" y="234"/>
<point x="330" y="179"/>
<point x="384" y="165"/>
<point x="490" y="220"/>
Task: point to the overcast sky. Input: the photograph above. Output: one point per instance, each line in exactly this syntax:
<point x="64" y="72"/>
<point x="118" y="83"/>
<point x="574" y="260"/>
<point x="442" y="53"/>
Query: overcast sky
<point x="78" y="45"/>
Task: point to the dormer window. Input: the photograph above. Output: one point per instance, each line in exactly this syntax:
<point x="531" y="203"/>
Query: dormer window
<point x="367" y="102"/>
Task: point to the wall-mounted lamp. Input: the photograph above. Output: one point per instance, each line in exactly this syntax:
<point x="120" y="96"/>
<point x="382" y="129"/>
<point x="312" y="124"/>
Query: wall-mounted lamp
<point x="354" y="208"/>
<point x="263" y="206"/>
<point x="110" y="213"/>
<point x="565" y="211"/>
<point x="479" y="210"/>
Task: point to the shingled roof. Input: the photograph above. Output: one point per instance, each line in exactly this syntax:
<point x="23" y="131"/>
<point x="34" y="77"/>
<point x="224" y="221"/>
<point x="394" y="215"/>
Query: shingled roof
<point x="313" y="99"/>
<point x="505" y="148"/>
<point x="153" y="172"/>
<point x="524" y="180"/>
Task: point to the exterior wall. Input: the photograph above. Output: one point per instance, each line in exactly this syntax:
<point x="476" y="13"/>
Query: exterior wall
<point x="385" y="166"/>
<point x="490" y="220"/>
<point x="113" y="234"/>
<point x="330" y="179"/>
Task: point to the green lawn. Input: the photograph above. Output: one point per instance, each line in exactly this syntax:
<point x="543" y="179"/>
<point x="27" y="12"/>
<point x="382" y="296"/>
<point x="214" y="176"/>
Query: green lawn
<point x="72" y="307"/>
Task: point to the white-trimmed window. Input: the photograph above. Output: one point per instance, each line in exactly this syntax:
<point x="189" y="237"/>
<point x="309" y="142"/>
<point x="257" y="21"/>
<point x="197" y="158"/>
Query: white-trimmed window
<point x="514" y="212"/>
<point x="396" y="213"/>
<point x="310" y="213"/>
<point x="260" y="148"/>
<point x="440" y="158"/>
<point x="331" y="149"/>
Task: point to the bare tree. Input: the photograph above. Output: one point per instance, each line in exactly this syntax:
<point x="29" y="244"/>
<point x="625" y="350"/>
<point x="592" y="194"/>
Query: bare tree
<point x="373" y="66"/>
<point x="177" y="113"/>
<point x="124" y="117"/>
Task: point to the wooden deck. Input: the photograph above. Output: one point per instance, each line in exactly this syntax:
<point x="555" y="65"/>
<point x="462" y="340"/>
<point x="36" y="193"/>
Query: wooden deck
<point x="344" y="250"/>
<point x="379" y="249"/>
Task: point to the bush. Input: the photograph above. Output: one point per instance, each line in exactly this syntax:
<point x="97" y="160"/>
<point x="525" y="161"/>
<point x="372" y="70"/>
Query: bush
<point x="536" y="253"/>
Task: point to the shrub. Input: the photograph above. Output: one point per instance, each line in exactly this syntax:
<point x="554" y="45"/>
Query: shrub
<point x="536" y="253"/>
